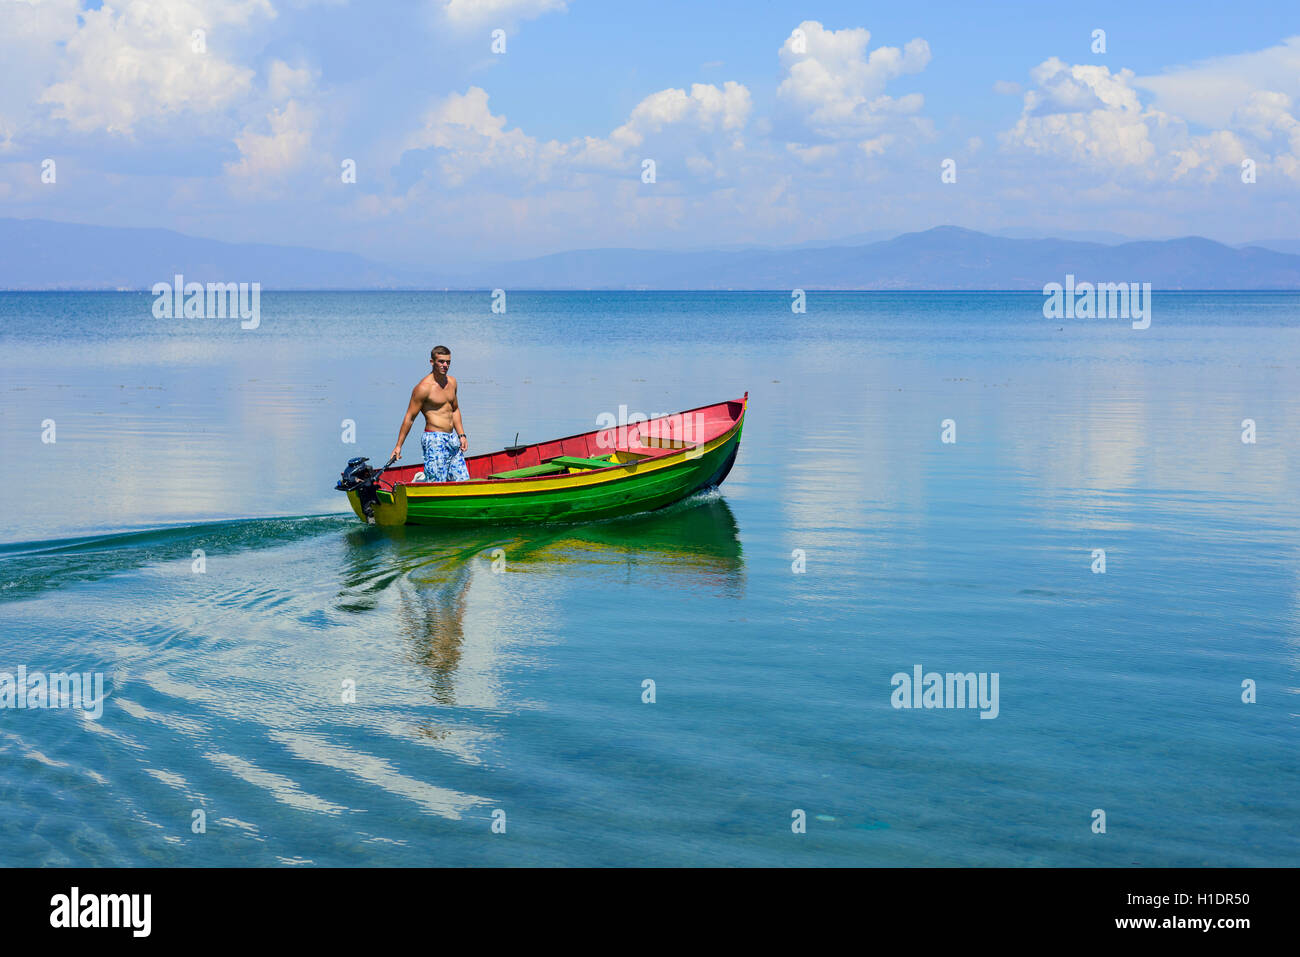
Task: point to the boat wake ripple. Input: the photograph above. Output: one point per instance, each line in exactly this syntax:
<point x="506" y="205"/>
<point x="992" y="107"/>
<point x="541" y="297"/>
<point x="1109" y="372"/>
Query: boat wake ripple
<point x="29" y="568"/>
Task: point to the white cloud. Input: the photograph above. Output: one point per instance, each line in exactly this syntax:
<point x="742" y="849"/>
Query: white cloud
<point x="29" y="48"/>
<point x="133" y="71"/>
<point x="1209" y="154"/>
<point x="118" y="69"/>
<point x="30" y="26"/>
<point x="472" y="142"/>
<point x="264" y="156"/>
<point x="814" y="155"/>
<point x="285" y="82"/>
<point x="707" y="109"/>
<point x="1086" y="115"/>
<point x="699" y="165"/>
<point x="1208" y="93"/>
<point x="836" y="89"/>
<point x="1065" y="88"/>
<point x="877" y="145"/>
<point x="1269" y="117"/>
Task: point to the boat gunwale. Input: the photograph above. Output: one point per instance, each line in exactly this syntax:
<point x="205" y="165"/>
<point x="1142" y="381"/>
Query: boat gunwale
<point x="661" y="455"/>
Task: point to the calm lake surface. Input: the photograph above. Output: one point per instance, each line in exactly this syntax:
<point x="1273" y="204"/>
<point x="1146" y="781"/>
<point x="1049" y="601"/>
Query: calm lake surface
<point x="181" y="537"/>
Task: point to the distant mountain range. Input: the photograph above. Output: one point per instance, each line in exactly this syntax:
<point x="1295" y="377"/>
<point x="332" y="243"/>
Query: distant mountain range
<point x="37" y="254"/>
<point x="1291" y="246"/>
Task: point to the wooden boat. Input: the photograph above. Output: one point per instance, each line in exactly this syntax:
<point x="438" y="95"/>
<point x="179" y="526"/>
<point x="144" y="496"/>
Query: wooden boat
<point x="622" y="470"/>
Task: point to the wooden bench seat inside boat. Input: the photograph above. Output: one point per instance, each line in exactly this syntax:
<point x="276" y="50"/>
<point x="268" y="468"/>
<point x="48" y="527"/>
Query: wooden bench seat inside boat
<point x="576" y="462"/>
<point x="559" y="464"/>
<point x="531" y="471"/>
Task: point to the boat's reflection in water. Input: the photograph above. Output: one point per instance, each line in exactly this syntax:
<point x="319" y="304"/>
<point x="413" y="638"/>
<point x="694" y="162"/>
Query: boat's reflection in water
<point x="694" y="545"/>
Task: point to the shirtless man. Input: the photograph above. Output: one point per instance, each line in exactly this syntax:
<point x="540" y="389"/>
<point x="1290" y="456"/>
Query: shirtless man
<point x="435" y="396"/>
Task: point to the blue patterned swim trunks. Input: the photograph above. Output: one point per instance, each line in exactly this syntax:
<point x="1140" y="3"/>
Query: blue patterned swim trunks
<point x="443" y="459"/>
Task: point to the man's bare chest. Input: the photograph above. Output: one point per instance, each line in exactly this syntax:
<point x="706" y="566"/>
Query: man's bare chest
<point x="439" y="397"/>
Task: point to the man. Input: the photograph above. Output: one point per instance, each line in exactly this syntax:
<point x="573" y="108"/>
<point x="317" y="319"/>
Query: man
<point x="445" y="441"/>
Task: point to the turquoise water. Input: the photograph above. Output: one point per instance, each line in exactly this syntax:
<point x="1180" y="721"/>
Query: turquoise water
<point x="519" y="690"/>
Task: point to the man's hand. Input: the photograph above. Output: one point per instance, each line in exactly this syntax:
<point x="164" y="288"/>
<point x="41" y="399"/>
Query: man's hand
<point x="397" y="452"/>
<point x="464" y="443"/>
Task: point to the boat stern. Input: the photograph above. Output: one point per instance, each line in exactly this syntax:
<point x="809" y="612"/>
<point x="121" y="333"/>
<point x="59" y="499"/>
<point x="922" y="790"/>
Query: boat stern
<point x="389" y="507"/>
<point x="374" y="504"/>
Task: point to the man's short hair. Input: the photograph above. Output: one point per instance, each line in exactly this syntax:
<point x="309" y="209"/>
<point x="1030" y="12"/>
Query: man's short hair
<point x="439" y="351"/>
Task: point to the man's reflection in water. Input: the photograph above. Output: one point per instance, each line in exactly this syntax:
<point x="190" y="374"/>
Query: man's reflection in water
<point x="431" y="615"/>
<point x="697" y="546"/>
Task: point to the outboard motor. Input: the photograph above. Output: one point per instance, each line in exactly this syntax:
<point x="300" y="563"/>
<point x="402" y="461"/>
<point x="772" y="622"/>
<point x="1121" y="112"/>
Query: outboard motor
<point x="359" y="477"/>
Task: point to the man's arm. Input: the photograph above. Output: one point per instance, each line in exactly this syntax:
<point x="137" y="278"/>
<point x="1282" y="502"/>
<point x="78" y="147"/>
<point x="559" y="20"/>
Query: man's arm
<point x="456" y="423"/>
<point x="412" y="410"/>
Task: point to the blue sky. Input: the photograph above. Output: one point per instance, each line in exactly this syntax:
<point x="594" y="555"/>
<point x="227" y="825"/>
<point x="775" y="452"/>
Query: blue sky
<point x="767" y="122"/>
